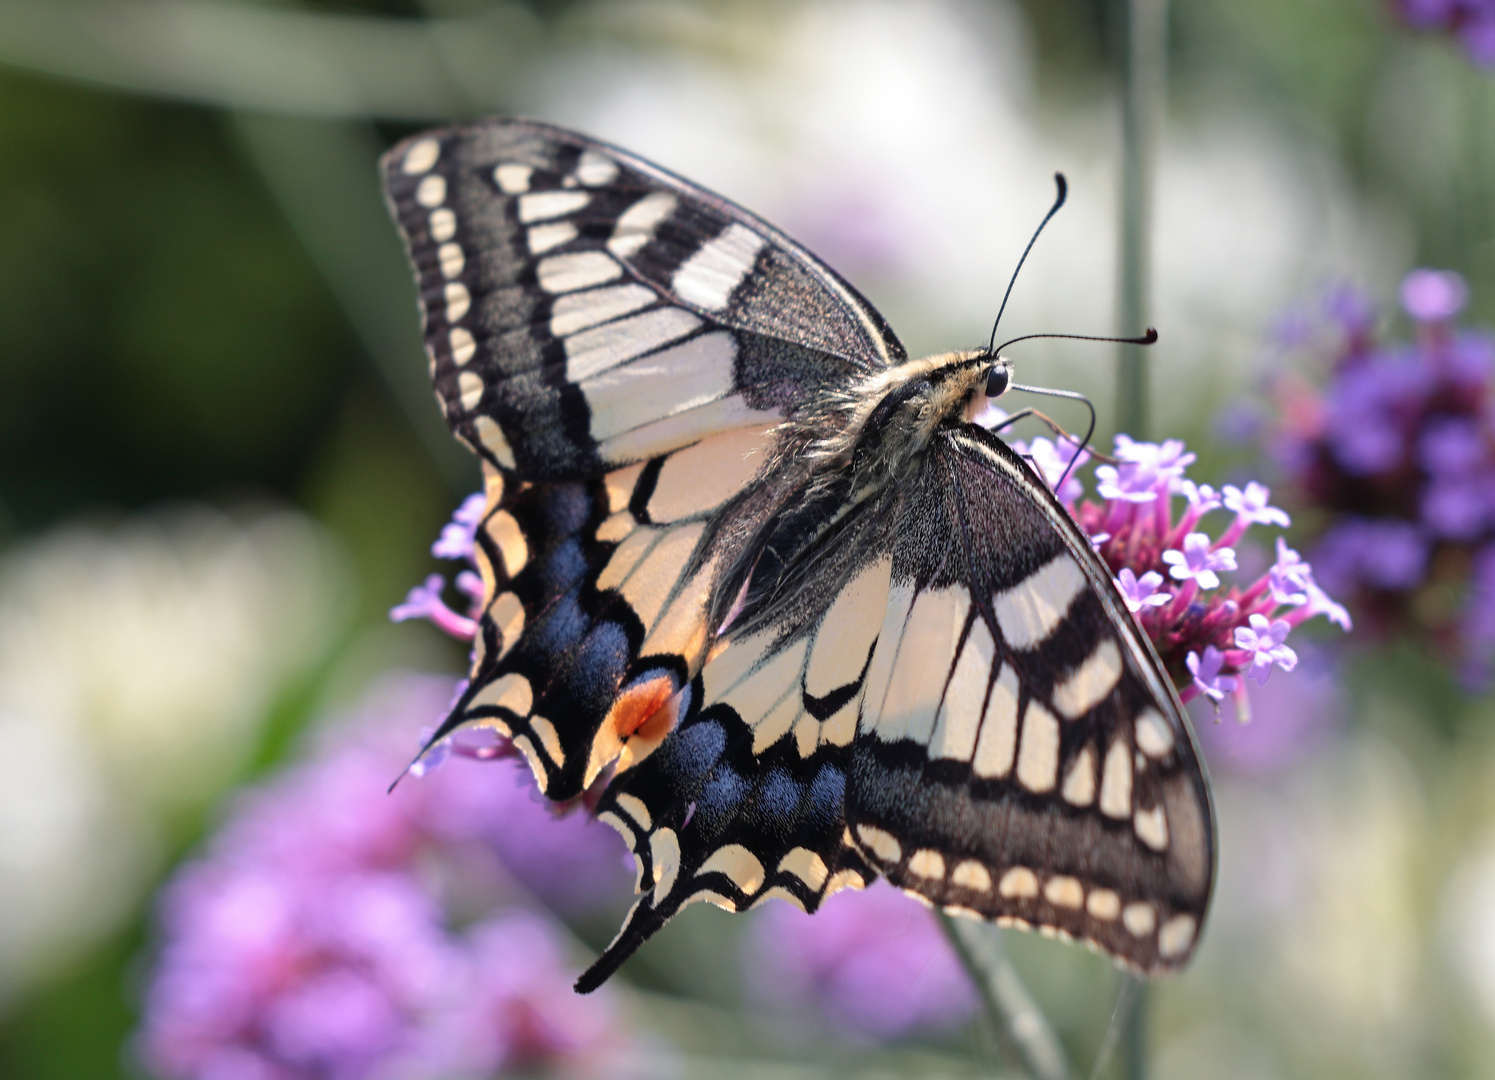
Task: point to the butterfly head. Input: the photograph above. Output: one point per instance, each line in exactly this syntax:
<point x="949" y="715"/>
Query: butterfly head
<point x="998" y="377"/>
<point x="992" y="376"/>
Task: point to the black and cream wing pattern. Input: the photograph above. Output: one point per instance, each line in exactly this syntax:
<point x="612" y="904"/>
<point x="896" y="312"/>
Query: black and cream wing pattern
<point x="749" y="567"/>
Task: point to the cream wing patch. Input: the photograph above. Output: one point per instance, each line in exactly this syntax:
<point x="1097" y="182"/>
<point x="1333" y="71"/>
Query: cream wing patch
<point x="698" y="479"/>
<point x="689" y="375"/>
<point x="998" y="739"/>
<point x="1089" y="684"/>
<point x="912" y="702"/>
<point x="959" y="720"/>
<point x="1038" y="753"/>
<point x="1031" y="611"/>
<point x="847" y="630"/>
<point x="709" y="277"/>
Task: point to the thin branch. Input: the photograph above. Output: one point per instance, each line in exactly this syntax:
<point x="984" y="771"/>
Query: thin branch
<point x="1143" y="90"/>
<point x="277" y="60"/>
<point x="1144" y="100"/>
<point x="1020" y="1024"/>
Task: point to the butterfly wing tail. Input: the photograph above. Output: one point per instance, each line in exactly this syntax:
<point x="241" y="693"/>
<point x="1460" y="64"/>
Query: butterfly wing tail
<point x="642" y="923"/>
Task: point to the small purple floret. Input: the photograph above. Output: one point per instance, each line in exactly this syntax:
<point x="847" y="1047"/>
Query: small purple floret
<point x="456" y="539"/>
<point x="1141" y="592"/>
<point x="1290" y="576"/>
<point x="1206" y="672"/>
<point x="1052" y="460"/>
<point x="1202" y="498"/>
<point x="1197" y="563"/>
<point x="1265" y="642"/>
<point x="424" y="602"/>
<point x="1251" y="506"/>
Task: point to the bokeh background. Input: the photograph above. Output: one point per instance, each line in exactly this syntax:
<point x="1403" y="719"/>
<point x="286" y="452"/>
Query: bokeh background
<point x="220" y="466"/>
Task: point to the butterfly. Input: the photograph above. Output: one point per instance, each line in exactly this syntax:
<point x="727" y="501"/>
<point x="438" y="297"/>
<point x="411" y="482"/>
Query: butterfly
<point x="755" y="570"/>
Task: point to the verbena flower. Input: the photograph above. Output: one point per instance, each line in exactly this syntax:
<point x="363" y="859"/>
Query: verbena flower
<point x="1205" y="669"/>
<point x="1397" y="451"/>
<point x="1471" y="21"/>
<point x="312" y="939"/>
<point x="1172" y="573"/>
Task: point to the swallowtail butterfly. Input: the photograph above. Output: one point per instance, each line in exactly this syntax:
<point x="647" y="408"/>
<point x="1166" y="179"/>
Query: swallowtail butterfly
<point x="745" y="558"/>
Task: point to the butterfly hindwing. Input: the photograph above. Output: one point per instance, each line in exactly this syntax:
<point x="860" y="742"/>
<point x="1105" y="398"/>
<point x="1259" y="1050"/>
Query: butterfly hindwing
<point x="961" y="663"/>
<point x="710" y="819"/>
<point x="584" y="309"/>
<point x="597" y="604"/>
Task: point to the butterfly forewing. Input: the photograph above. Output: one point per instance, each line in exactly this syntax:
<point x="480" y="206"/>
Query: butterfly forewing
<point x="584" y="309"/>
<point x="617" y="345"/>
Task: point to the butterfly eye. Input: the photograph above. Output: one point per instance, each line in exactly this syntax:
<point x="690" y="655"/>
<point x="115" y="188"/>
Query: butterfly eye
<point x="998" y="379"/>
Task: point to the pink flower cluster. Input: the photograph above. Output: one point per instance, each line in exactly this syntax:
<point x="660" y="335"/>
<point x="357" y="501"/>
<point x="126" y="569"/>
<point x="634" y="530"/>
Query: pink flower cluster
<point x="315" y="938"/>
<point x="1209" y="634"/>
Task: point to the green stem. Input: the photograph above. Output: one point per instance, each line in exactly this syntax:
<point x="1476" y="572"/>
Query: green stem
<point x="1021" y="1027"/>
<point x="1144" y="98"/>
<point x="1141" y="116"/>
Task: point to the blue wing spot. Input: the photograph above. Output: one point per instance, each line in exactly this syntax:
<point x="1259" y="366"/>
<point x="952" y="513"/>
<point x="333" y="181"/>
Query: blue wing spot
<point x="718" y="802"/>
<point x="567" y="508"/>
<point x="597" y="669"/>
<point x="778" y="800"/>
<point x="827" y="804"/>
<point x="559" y="629"/>
<point x="564" y="565"/>
<point x="690" y="752"/>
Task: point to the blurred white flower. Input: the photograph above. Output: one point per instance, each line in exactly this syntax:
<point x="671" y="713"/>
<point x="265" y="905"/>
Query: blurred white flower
<point x="136" y="666"/>
<point x="1468" y="929"/>
<point x="905" y="143"/>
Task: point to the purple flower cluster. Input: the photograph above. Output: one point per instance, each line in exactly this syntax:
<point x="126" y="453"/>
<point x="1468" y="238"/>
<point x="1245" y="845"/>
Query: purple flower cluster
<point x="871" y="963"/>
<point x="315" y="937"/>
<point x="1210" y="635"/>
<point x="1471" y="21"/>
<point x="1399" y="450"/>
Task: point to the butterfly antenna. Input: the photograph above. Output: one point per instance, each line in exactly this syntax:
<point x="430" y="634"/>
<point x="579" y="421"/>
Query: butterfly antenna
<point x="1081" y="445"/>
<point x="1146" y="339"/>
<point x="1063" y="186"/>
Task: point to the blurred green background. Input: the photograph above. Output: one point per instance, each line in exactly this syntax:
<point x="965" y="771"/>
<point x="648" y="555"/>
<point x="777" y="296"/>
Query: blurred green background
<point x="220" y="463"/>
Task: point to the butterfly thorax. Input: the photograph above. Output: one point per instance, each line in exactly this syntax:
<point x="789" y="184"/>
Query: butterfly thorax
<point x="880" y="430"/>
<point x="891" y="415"/>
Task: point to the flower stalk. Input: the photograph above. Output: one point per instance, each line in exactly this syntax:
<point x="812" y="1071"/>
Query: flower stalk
<point x="1022" y="1030"/>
